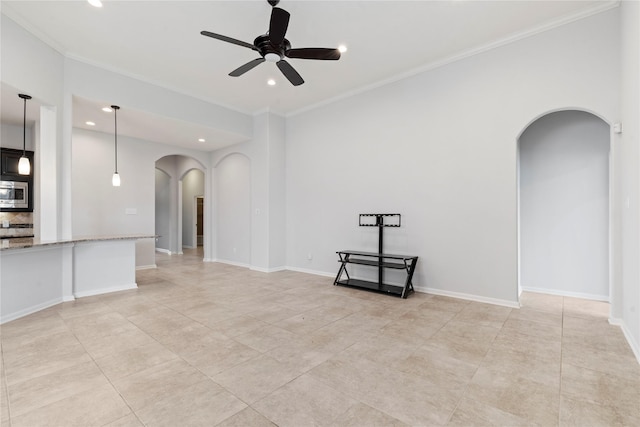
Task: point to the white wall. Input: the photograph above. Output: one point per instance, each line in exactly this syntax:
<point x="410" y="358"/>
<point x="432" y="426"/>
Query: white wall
<point x="192" y="186"/>
<point x="564" y="205"/>
<point x="626" y="309"/>
<point x="233" y="209"/>
<point x="163" y="210"/>
<point x="98" y="207"/>
<point x="11" y="137"/>
<point x="440" y="148"/>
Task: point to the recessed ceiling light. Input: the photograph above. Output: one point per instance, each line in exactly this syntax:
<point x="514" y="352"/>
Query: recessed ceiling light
<point x="95" y="3"/>
<point x="90" y="123"/>
<point x="107" y="110"/>
<point x="271" y="82"/>
<point x="202" y="140"/>
<point x="342" y="48"/>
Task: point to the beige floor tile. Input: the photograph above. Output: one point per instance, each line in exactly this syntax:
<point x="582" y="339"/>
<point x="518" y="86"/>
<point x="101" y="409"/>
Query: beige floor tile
<point x="464" y="341"/>
<point x="245" y="418"/>
<point x="4" y="402"/>
<point x="352" y="378"/>
<point x="382" y="349"/>
<point x="411" y="399"/>
<point x="524" y="398"/>
<point x="255" y="379"/>
<point x="237" y="325"/>
<point x="602" y="388"/>
<point x="539" y="316"/>
<point x="101" y="346"/>
<point x="157" y="383"/>
<point x="202" y="404"/>
<point x="218" y="355"/>
<point x="544" y="370"/>
<point x="484" y="314"/>
<point x="413" y="328"/>
<point x="304" y="401"/>
<point x="511" y="340"/>
<point x="579" y="413"/>
<point x="438" y="367"/>
<point x="535" y="328"/>
<point x="589" y="309"/>
<point x="303" y="353"/>
<point x="472" y="413"/>
<point x="542" y="302"/>
<point x="44" y="356"/>
<point x="82" y="307"/>
<point x="440" y="303"/>
<point x="266" y="338"/>
<point x="273" y="313"/>
<point x="619" y="364"/>
<point x="360" y="415"/>
<point x="127" y="362"/>
<point x="40" y="391"/>
<point x="130" y="420"/>
<point x="94" y="407"/>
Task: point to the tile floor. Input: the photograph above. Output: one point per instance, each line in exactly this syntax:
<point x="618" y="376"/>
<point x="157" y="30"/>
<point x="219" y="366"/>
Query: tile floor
<point x="215" y="345"/>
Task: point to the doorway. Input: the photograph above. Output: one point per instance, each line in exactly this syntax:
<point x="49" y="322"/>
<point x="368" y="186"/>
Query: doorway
<point x="564" y="205"/>
<point x="199" y="220"/>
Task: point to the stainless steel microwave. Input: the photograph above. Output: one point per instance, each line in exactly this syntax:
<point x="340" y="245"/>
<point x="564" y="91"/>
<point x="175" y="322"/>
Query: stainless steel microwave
<point x="14" y="194"/>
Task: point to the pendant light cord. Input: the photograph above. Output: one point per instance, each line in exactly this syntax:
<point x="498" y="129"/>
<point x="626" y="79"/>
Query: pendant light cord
<point x="115" y="116"/>
<point x="24" y="130"/>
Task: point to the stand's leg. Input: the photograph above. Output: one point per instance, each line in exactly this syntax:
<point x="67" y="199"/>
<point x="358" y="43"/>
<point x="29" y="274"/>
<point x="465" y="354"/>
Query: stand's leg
<point x="408" y="286"/>
<point x="343" y="268"/>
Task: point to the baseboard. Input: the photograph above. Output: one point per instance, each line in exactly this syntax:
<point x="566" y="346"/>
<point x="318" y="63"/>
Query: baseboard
<point x="314" y="272"/>
<point x="635" y="348"/>
<point x="163" y="251"/>
<point x="146" y="267"/>
<point x="268" y="270"/>
<point x="209" y="260"/>
<point x="593" y="297"/>
<point x="105" y="290"/>
<point x="30" y="310"/>
<point x="469" y="297"/>
<point x="189" y="247"/>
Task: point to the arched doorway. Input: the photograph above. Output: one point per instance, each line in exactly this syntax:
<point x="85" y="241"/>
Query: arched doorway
<point x="563" y="195"/>
<point x="179" y="180"/>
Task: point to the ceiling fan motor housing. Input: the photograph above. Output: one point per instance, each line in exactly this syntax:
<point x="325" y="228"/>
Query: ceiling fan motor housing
<point x="264" y="45"/>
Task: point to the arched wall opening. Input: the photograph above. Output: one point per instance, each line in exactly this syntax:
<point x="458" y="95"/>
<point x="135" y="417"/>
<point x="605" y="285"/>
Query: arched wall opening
<point x="564" y="205"/>
<point x="178" y="180"/>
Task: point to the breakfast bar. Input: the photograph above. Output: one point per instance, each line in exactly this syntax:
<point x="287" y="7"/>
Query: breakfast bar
<point x="37" y="274"/>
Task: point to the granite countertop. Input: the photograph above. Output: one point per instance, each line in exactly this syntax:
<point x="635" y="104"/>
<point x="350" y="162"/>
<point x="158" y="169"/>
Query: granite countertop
<point x="23" y="243"/>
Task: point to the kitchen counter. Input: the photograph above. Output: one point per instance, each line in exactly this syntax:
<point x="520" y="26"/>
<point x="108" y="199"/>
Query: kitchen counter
<point x="25" y="242"/>
<point x="38" y="274"/>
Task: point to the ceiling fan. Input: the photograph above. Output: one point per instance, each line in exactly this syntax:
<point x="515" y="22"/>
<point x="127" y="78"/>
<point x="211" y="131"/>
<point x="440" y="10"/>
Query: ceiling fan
<point x="273" y="47"/>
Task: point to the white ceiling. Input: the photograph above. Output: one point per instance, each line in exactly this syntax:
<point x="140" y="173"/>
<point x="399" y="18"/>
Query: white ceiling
<point x="160" y="42"/>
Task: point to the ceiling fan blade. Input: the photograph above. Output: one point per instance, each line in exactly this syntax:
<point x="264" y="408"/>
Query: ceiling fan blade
<point x="246" y="67"/>
<point x="291" y="74"/>
<point x="278" y="25"/>
<point x="228" y="39"/>
<point x="313" y="53"/>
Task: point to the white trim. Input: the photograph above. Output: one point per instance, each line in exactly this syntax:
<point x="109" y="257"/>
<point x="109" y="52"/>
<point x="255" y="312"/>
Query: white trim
<point x="146" y="267"/>
<point x="562" y="293"/>
<point x="209" y="260"/>
<point x="237" y="264"/>
<point x="163" y="251"/>
<point x="598" y="8"/>
<point x="627" y="334"/>
<point x="105" y="290"/>
<point x="469" y="297"/>
<point x="314" y="272"/>
<point x="31" y="310"/>
<point x="189" y="247"/>
<point x="268" y="270"/>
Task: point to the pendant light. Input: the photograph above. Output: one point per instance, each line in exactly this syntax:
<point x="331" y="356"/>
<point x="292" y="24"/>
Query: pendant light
<point x="115" y="180"/>
<point x="24" y="166"/>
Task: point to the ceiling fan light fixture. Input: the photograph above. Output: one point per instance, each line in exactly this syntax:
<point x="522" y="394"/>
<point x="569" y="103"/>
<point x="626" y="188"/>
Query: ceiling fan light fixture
<point x="95" y="3"/>
<point x="272" y="57"/>
<point x="271" y="82"/>
<point x="342" y="48"/>
<point x="107" y="109"/>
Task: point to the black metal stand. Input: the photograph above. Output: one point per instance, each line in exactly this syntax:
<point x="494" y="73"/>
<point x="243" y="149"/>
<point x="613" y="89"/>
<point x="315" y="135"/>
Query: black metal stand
<point x="380" y="260"/>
